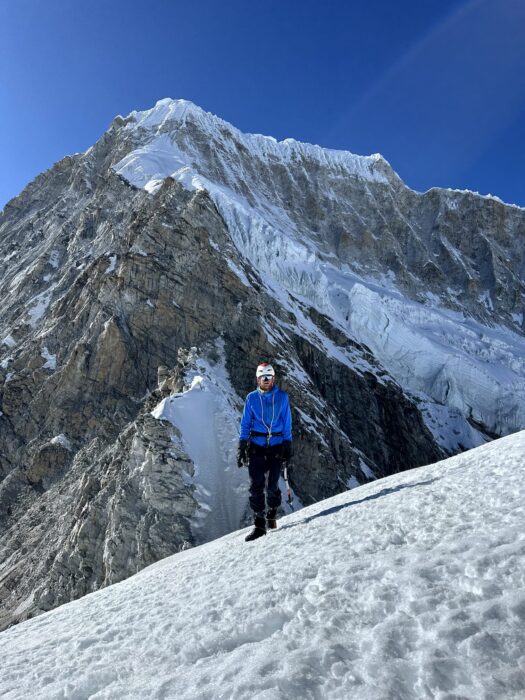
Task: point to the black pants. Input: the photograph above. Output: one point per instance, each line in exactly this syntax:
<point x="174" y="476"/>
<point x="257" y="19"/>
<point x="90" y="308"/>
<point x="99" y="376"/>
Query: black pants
<point x="264" y="461"/>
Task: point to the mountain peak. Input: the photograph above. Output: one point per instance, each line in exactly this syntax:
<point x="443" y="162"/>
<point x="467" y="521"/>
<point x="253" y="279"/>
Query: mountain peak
<point x="165" y="110"/>
<point x="168" y="111"/>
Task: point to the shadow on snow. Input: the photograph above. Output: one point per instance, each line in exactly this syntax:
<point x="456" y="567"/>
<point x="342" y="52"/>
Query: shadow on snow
<point x="380" y="494"/>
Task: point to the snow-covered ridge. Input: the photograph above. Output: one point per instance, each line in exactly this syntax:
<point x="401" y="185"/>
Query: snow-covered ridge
<point x="167" y="111"/>
<point x="178" y="110"/>
<point x="493" y="197"/>
<point x="409" y="587"/>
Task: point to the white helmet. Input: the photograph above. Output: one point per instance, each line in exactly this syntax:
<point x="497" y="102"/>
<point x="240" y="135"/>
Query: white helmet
<point x="265" y="370"/>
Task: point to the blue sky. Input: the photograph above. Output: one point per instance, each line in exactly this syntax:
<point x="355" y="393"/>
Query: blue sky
<point x="435" y="86"/>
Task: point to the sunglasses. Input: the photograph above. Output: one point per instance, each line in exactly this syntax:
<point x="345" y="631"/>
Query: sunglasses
<point x="266" y="378"/>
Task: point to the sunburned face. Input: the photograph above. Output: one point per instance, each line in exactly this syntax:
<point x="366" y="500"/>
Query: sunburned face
<point x="265" y="383"/>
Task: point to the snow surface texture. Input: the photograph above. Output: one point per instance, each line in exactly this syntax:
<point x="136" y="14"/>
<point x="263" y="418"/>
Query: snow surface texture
<point x="433" y="352"/>
<point x="412" y="586"/>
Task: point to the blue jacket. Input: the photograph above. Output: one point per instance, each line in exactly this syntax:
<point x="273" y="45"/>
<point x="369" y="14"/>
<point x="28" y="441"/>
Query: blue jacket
<point x="266" y="411"/>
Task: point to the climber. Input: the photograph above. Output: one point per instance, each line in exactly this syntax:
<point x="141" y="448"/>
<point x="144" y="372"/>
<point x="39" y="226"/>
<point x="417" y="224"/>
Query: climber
<point x="265" y="444"/>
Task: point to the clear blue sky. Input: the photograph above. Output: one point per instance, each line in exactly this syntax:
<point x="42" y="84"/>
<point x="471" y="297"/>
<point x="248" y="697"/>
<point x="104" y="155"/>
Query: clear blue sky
<point x="436" y="86"/>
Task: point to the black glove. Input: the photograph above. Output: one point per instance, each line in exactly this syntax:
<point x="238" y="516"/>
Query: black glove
<point x="242" y="453"/>
<point x="286" y="450"/>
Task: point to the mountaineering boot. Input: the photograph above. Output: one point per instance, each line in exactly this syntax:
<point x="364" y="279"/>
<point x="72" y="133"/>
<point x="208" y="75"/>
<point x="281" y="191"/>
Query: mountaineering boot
<point x="259" y="528"/>
<point x="271" y="519"/>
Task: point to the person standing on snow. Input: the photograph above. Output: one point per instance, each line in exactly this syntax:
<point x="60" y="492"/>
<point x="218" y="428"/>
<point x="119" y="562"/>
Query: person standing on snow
<point x="265" y="443"/>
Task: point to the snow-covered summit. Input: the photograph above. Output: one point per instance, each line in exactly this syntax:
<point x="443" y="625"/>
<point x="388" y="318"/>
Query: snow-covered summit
<point x="164" y="110"/>
<point x="168" y="113"/>
<point x="410" y="587"/>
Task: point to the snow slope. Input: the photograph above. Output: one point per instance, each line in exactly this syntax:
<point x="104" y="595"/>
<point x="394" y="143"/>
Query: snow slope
<point x="443" y="356"/>
<point x="409" y="587"/>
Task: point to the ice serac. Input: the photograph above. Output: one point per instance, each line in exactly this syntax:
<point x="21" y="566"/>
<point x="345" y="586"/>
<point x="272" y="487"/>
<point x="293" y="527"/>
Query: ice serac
<point x="178" y="247"/>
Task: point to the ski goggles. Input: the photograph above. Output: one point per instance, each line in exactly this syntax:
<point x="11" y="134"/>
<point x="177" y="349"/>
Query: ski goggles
<point x="266" y="377"/>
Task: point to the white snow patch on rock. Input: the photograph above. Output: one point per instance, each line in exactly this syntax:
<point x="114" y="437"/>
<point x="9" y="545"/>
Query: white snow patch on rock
<point x="369" y="473"/>
<point x="112" y="264"/>
<point x="5" y="362"/>
<point x="37" y="307"/>
<point x="137" y="250"/>
<point x="54" y="258"/>
<point x="238" y="272"/>
<point x="9" y="341"/>
<point x="208" y="416"/>
<point x="61" y="440"/>
<point x="148" y="166"/>
<point x="50" y="360"/>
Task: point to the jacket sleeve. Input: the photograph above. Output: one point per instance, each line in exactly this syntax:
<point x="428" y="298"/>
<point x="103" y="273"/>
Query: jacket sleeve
<point x="287" y="418"/>
<point x="246" y="420"/>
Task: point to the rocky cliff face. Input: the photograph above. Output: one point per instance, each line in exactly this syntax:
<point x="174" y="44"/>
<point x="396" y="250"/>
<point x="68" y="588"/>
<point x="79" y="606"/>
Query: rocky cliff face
<point x="175" y="231"/>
